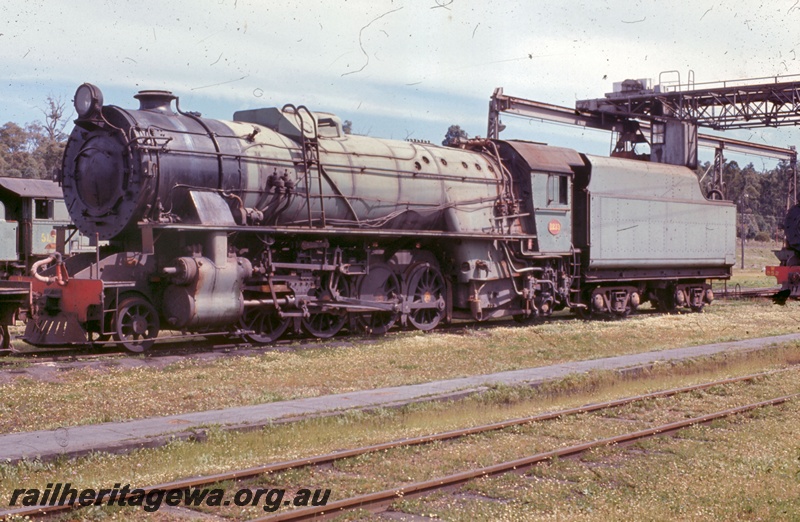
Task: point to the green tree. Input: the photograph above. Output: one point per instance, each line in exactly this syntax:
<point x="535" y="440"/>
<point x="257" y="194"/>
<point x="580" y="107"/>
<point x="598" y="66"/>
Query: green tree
<point x="34" y="151"/>
<point x="773" y="196"/>
<point x="16" y="158"/>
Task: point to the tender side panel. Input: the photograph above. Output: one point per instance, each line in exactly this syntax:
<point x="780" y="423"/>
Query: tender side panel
<point x="628" y="232"/>
<point x="648" y="215"/>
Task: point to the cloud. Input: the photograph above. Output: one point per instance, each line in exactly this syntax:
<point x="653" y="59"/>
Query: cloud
<point x="392" y="66"/>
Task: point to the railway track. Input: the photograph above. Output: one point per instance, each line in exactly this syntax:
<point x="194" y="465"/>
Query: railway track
<point x="176" y="345"/>
<point x="737" y="292"/>
<point x="188" y="345"/>
<point x="380" y="500"/>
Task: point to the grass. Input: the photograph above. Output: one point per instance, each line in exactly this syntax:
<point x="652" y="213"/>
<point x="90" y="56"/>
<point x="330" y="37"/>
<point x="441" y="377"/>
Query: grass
<point x="748" y="278"/>
<point x="225" y="451"/>
<point x="86" y="395"/>
<point x="757" y="256"/>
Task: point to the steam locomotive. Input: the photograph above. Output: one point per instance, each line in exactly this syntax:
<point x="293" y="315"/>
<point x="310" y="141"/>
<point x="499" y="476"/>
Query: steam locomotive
<point x="787" y="272"/>
<point x="279" y="221"/>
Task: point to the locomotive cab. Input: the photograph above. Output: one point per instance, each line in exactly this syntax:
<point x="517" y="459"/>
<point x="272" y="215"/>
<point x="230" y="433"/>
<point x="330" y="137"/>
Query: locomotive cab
<point x="552" y="210"/>
<point x="533" y="274"/>
<point x="543" y="177"/>
<point x="33" y="210"/>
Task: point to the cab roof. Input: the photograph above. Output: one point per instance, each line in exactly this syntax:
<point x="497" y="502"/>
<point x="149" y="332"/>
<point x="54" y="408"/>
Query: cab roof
<point x="32" y="188"/>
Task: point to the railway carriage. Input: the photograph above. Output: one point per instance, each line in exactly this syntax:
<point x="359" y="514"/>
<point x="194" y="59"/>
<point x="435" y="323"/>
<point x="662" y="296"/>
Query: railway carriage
<point x="32" y="217"/>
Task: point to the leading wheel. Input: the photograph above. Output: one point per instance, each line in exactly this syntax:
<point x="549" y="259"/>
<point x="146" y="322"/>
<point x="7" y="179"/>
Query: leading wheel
<point x="265" y="325"/>
<point x="426" y="286"/>
<point x="136" y="324"/>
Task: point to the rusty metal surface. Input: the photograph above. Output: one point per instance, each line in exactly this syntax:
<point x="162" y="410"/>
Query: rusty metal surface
<point x="80" y="295"/>
<point x="547" y="158"/>
<point x="32" y="188"/>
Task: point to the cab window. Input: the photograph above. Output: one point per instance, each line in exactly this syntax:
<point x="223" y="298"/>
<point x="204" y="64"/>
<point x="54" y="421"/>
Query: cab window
<point x="558" y="190"/>
<point x="42" y="209"/>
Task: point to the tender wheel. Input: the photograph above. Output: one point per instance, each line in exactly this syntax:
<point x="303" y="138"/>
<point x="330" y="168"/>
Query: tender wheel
<point x="585" y="312"/>
<point x="426" y="286"/>
<point x="136" y="324"/>
<point x="381" y="285"/>
<point x="629" y="309"/>
<point x="327" y="324"/>
<point x="266" y="325"/>
<point x="622" y="314"/>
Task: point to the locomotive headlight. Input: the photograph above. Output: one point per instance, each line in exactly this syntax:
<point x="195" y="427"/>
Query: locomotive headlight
<point x="88" y="100"/>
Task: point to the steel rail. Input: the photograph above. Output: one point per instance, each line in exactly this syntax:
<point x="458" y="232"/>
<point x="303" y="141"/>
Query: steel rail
<point x="61" y="353"/>
<point x="386" y="497"/>
<point x="746" y="293"/>
<point x="207" y="480"/>
<point x="79" y="352"/>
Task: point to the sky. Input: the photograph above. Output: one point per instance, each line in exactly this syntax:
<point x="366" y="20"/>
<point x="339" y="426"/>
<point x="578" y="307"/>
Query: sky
<point x="395" y="68"/>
